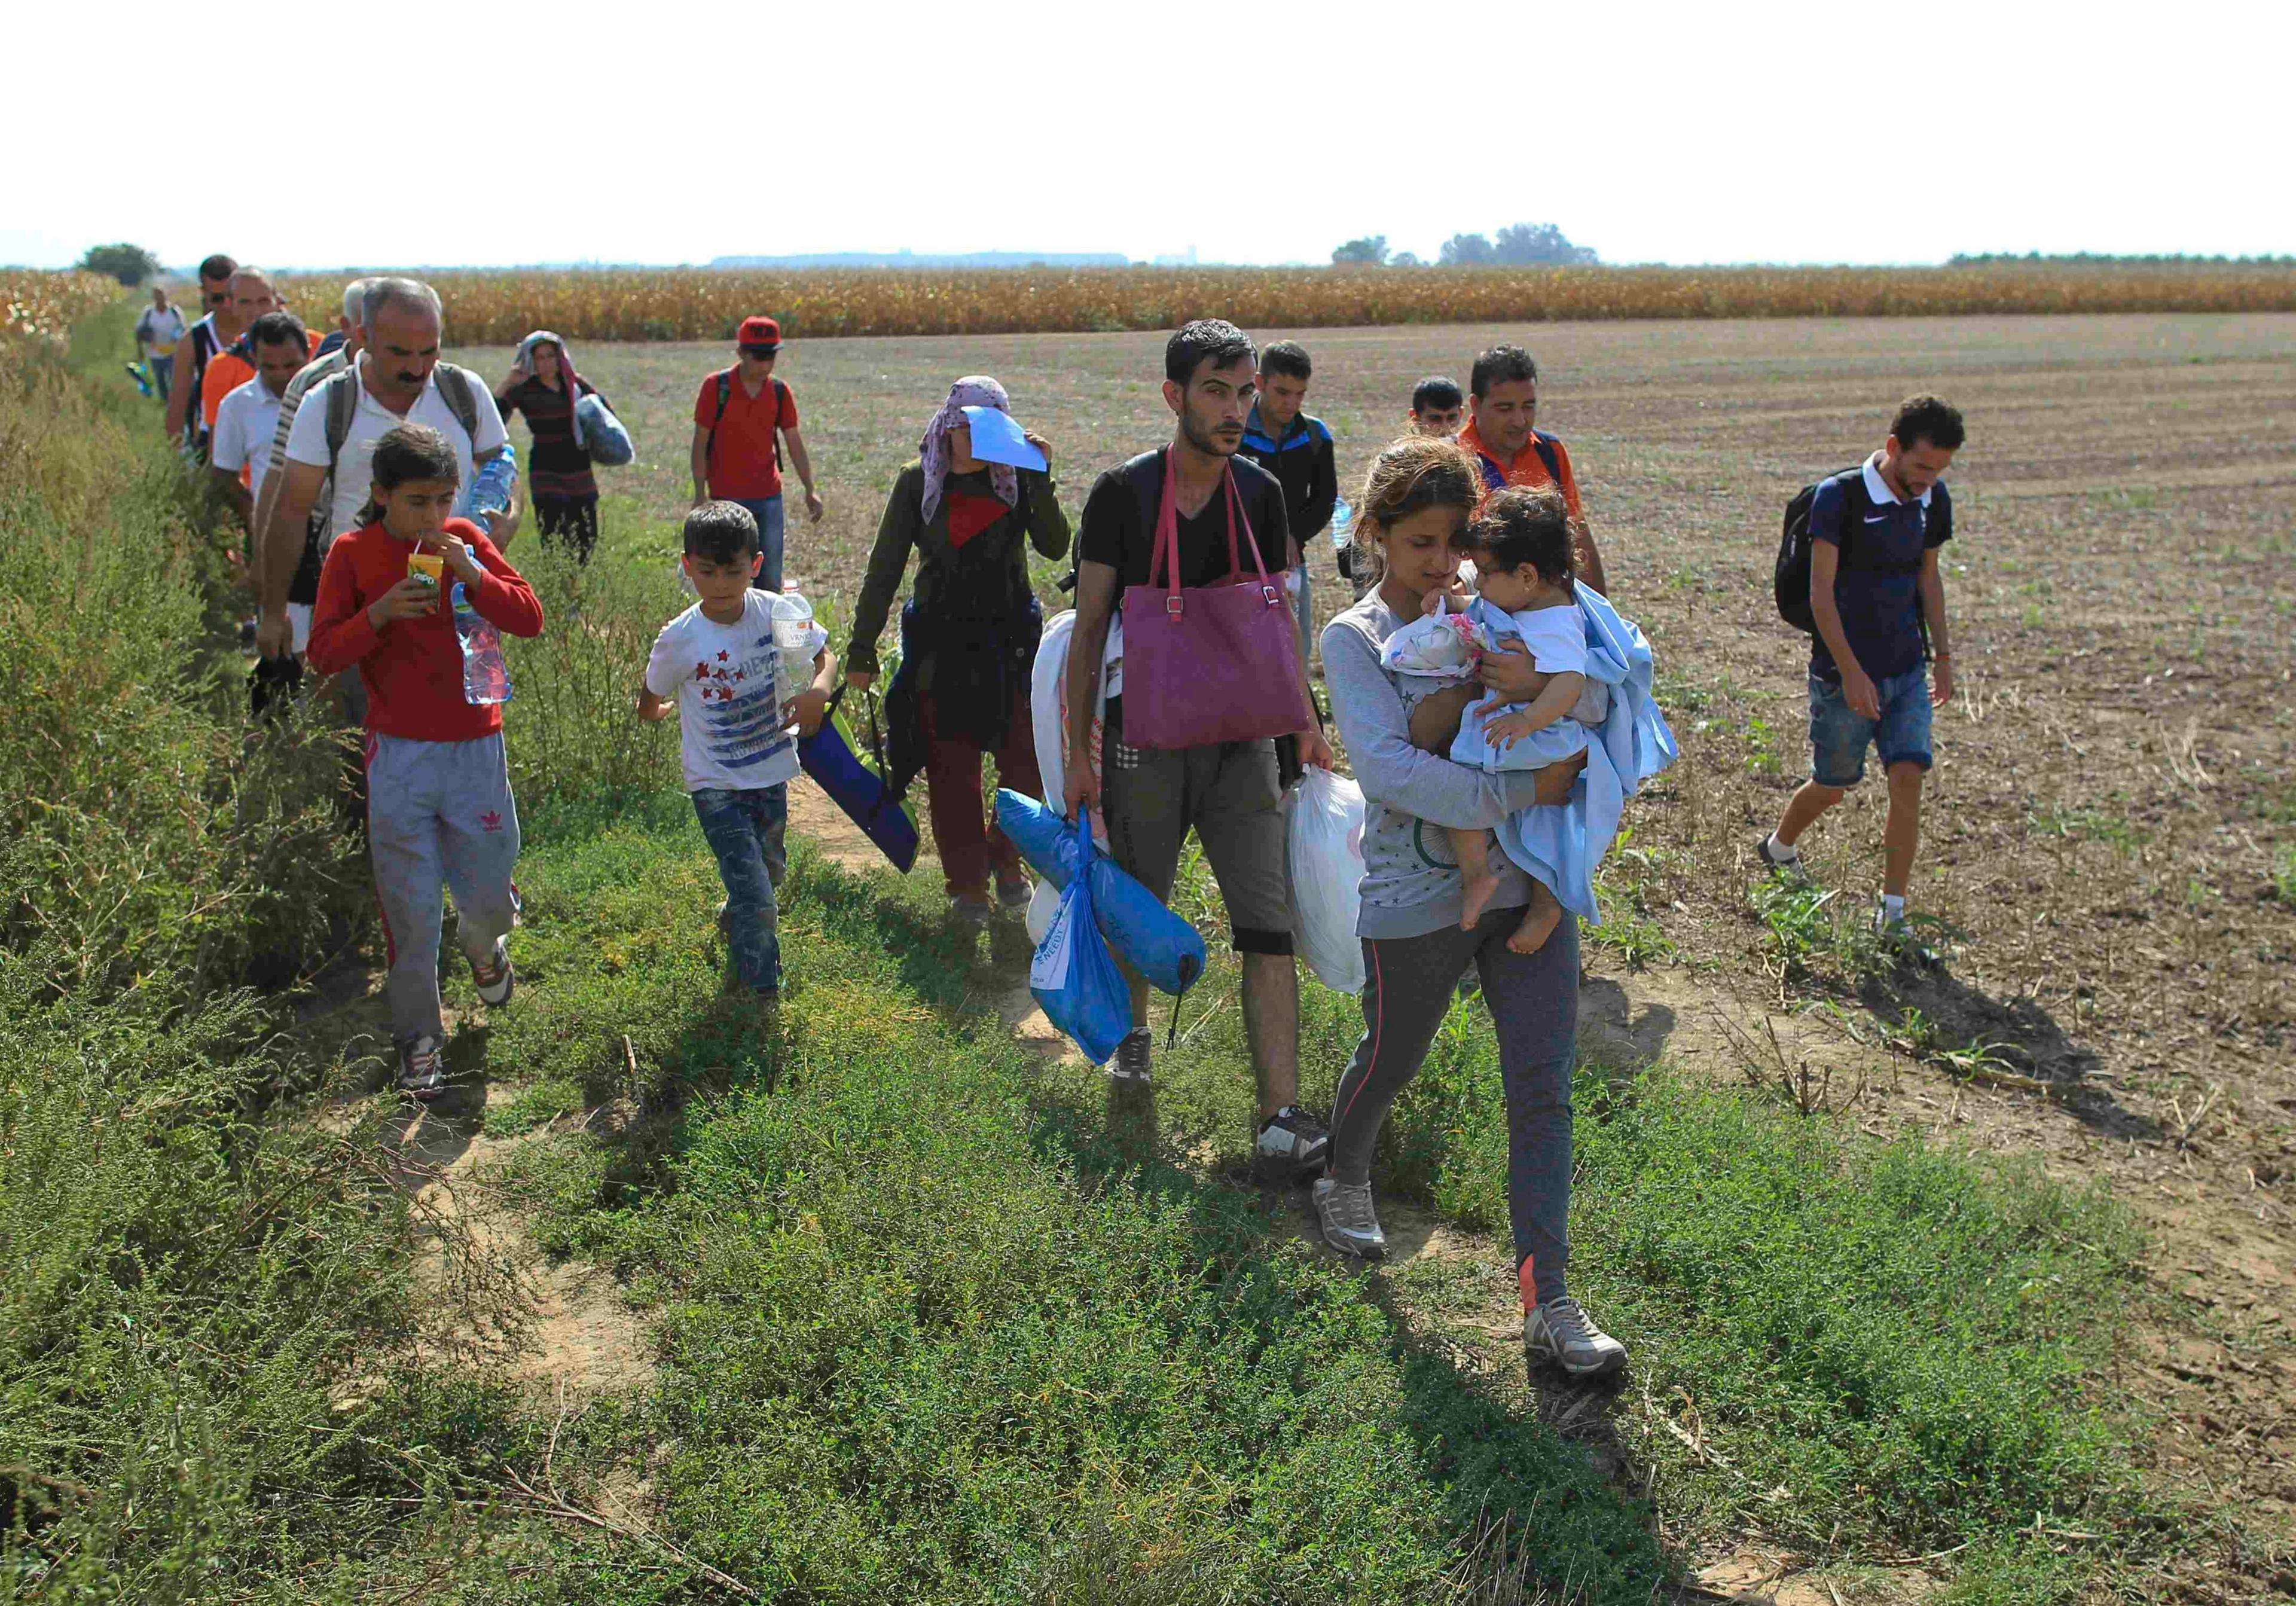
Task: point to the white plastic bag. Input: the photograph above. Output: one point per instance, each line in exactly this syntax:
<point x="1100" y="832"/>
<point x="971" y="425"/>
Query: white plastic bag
<point x="1323" y="817"/>
<point x="1048" y="701"/>
<point x="1044" y="909"/>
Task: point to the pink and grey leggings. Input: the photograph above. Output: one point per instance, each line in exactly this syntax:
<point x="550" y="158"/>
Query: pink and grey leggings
<point x="1409" y="984"/>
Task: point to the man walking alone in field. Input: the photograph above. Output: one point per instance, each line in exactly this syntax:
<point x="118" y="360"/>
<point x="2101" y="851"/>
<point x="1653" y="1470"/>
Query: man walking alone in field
<point x="1509" y="448"/>
<point x="159" y="327"/>
<point x="1878" y="600"/>
<point x="741" y="417"/>
<point x="1225" y="791"/>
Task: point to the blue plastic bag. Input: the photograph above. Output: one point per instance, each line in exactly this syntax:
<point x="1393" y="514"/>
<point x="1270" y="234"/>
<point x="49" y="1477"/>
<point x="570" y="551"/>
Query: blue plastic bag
<point x="1154" y="941"/>
<point x="1074" y="976"/>
<point x="604" y="435"/>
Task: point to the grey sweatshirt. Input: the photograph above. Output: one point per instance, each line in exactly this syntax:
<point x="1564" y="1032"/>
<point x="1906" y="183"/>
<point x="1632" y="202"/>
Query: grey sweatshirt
<point x="1411" y="881"/>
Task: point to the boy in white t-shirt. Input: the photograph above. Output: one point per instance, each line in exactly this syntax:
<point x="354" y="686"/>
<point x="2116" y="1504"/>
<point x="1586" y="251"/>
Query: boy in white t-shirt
<point x="734" y="664"/>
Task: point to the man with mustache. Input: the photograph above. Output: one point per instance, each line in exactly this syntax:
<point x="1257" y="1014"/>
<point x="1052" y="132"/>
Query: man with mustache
<point x="1228" y="792"/>
<point x="395" y="378"/>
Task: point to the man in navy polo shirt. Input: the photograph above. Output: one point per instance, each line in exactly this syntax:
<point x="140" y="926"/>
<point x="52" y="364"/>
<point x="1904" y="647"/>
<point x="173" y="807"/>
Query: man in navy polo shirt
<point x="1879" y="602"/>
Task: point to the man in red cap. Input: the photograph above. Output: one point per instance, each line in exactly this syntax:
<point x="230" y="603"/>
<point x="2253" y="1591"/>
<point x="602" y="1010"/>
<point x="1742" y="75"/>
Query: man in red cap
<point x="740" y="417"/>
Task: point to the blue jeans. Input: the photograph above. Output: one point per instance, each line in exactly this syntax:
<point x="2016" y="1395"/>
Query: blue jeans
<point x="1839" y="738"/>
<point x="768" y="511"/>
<point x="163" y="375"/>
<point x="745" y="829"/>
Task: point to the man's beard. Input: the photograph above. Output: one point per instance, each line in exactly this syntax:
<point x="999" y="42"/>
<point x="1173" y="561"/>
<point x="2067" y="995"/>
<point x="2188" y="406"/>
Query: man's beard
<point x="1210" y="445"/>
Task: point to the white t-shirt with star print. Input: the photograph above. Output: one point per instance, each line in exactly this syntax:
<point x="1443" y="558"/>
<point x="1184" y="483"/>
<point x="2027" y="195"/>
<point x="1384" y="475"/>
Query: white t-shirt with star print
<point x="729" y="690"/>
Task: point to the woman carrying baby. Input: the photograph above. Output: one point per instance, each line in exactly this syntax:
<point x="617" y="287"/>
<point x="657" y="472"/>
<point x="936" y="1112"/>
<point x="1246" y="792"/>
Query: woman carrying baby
<point x="1410" y="532"/>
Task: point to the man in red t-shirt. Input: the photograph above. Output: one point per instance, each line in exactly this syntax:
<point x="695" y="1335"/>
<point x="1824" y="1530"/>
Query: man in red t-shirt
<point x="741" y="415"/>
<point x="1509" y="448"/>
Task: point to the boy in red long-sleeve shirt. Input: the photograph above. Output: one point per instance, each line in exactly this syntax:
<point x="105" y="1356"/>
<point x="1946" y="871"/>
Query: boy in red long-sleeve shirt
<point x="439" y="811"/>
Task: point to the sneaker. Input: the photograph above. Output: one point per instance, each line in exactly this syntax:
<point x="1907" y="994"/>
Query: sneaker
<point x="1292" y="1140"/>
<point x="1561" y="1331"/>
<point x="968" y="910"/>
<point x="1130" y="1064"/>
<point x="1350" y="1225"/>
<point x="1780" y="864"/>
<point x="495" y="981"/>
<point x="1016" y="892"/>
<point x="421" y="1068"/>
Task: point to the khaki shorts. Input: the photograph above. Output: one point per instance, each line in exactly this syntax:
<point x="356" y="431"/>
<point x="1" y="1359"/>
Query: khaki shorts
<point x="1228" y="795"/>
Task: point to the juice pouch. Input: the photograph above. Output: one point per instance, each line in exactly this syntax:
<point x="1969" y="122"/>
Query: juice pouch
<point x="486" y="677"/>
<point x="430" y="565"/>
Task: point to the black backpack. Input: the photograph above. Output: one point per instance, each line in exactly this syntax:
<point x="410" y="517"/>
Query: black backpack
<point x="1792" y="581"/>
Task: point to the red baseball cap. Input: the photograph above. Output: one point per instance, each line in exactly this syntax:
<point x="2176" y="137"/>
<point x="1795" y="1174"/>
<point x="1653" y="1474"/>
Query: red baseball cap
<point x="758" y="331"/>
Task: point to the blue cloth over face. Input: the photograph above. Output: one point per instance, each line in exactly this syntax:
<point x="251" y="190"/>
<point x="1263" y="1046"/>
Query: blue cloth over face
<point x="1563" y="845"/>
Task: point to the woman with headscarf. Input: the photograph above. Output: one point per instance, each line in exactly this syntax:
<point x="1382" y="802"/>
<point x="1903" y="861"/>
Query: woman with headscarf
<point x="968" y="637"/>
<point x="542" y="383"/>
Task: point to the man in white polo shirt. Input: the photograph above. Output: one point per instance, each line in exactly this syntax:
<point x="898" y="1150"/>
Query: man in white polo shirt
<point x="240" y="455"/>
<point x="395" y="378"/>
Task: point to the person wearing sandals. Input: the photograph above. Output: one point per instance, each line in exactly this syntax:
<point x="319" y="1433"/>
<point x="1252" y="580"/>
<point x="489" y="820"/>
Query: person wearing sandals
<point x="543" y="385"/>
<point x="1410" y="523"/>
<point x="968" y="637"/>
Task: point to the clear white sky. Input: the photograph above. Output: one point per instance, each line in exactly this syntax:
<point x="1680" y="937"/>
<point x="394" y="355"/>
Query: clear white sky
<point x="678" y="130"/>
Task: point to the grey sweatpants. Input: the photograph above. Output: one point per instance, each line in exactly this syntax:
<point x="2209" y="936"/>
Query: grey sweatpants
<point x="439" y="815"/>
<point x="1409" y="983"/>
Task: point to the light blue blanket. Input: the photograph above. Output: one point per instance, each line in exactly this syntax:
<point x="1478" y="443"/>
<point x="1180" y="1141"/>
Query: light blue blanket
<point x="1562" y="846"/>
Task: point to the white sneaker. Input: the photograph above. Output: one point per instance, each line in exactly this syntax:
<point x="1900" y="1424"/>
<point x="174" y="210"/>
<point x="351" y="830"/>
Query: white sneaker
<point x="495" y="981"/>
<point x="1561" y="1331"/>
<point x="1350" y="1224"/>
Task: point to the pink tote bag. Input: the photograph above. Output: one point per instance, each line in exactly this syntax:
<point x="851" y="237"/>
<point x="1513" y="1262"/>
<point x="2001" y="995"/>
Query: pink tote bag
<point x="1207" y="664"/>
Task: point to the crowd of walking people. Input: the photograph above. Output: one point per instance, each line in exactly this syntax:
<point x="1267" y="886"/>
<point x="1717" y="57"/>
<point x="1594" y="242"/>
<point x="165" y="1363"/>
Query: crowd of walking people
<point x="1492" y="702"/>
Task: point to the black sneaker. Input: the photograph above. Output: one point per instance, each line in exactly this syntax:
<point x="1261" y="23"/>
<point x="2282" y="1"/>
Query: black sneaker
<point x="1292" y="1141"/>
<point x="1130" y="1064"/>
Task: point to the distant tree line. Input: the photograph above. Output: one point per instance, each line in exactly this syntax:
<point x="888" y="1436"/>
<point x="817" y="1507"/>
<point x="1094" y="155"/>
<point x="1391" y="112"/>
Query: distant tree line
<point x="2107" y="260"/>
<point x="1517" y="245"/>
<point x="128" y="264"/>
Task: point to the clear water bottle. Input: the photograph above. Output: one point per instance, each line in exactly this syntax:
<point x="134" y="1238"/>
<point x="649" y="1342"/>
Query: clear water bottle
<point x="794" y="637"/>
<point x="1343" y="524"/>
<point x="486" y="677"/>
<point x="490" y="487"/>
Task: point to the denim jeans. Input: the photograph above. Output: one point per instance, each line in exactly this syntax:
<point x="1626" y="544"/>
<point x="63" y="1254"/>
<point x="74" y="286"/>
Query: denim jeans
<point x="1839" y="738"/>
<point x="163" y="375"/>
<point x="745" y="829"/>
<point x="768" y="511"/>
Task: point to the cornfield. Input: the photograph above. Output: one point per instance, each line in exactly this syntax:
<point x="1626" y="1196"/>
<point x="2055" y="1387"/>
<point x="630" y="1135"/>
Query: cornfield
<point x="695" y="304"/>
<point x="43" y="306"/>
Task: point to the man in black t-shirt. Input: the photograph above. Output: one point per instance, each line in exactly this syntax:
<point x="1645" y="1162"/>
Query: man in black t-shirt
<point x="1228" y="792"/>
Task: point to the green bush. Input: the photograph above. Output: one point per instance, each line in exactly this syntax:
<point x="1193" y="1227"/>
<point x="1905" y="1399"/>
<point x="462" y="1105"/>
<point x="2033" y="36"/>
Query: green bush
<point x="148" y="827"/>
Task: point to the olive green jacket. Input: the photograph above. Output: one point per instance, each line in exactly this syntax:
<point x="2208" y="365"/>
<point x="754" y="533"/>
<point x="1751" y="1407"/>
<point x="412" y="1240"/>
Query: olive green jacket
<point x="904" y="528"/>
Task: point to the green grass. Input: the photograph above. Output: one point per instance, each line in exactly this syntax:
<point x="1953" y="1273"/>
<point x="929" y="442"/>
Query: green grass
<point x="931" y="1333"/>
